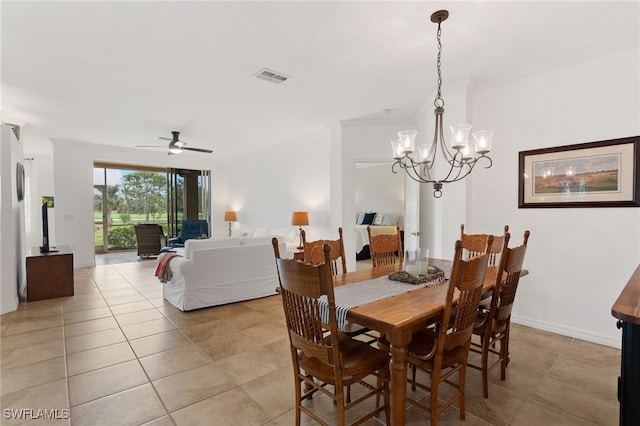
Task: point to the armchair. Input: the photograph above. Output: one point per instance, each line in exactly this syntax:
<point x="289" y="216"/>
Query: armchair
<point x="190" y="229"/>
<point x="150" y="239"/>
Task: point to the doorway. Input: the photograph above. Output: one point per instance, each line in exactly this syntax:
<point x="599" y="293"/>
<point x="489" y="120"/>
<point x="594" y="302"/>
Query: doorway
<point x="377" y="190"/>
<point x="128" y="195"/>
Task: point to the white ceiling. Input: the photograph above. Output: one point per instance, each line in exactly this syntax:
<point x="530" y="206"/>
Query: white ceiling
<point x="123" y="73"/>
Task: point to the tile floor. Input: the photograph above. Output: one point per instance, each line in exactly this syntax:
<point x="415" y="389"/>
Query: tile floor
<point x="117" y="354"/>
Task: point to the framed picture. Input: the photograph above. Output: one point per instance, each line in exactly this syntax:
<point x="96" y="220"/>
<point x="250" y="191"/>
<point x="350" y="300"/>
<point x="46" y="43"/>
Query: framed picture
<point x="594" y="174"/>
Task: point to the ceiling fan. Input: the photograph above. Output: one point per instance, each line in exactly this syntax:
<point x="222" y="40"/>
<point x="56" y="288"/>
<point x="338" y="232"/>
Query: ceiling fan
<point x="176" y="146"/>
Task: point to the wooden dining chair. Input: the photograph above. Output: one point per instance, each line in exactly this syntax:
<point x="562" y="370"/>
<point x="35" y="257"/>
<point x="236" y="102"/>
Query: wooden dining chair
<point x="493" y="325"/>
<point x="385" y="245"/>
<point x="313" y="252"/>
<point x="443" y="351"/>
<point x="475" y="244"/>
<point x="325" y="360"/>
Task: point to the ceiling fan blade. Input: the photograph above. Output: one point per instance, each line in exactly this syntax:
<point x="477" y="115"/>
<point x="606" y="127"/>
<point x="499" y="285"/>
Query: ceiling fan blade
<point x="197" y="149"/>
<point x="163" y="138"/>
<point x="150" y="146"/>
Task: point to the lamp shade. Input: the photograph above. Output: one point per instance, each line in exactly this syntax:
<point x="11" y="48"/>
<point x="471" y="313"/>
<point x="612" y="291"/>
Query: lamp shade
<point x="300" y="218"/>
<point x="230" y="216"/>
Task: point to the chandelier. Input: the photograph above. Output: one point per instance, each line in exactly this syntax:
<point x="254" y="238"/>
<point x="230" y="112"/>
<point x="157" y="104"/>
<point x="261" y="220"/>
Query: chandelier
<point x="418" y="164"/>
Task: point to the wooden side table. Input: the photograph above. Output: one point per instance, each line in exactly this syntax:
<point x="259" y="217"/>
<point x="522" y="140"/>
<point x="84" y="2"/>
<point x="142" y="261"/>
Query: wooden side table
<point x="298" y="255"/>
<point x="49" y="275"/>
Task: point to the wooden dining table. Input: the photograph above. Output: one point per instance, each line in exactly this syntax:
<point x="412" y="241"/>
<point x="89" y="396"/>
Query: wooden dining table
<point x="398" y="317"/>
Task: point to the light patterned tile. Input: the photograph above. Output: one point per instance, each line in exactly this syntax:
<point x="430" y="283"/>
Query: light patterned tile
<point x="160" y="342"/>
<point x="188" y="387"/>
<point x="94" y="340"/>
<point x="147" y="328"/>
<point x="130" y="407"/>
<point x="233" y="407"/>
<point x="96" y="384"/>
<point x="174" y="361"/>
<point x="138" y="317"/>
<point x="51" y="396"/>
<point x="81" y="362"/>
<point x="34" y="374"/>
<point x="91" y="326"/>
<point x="30" y="354"/>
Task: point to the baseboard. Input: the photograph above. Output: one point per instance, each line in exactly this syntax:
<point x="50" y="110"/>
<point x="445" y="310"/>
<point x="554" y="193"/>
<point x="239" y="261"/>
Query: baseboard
<point x="5" y="309"/>
<point x="578" y="333"/>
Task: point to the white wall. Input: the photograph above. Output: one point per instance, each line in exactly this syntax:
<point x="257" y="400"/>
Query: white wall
<point x="267" y="186"/>
<point x="73" y="188"/>
<point x="579" y="258"/>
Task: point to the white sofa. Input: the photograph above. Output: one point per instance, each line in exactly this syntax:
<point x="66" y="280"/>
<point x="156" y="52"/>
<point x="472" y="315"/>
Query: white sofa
<point x="219" y="271"/>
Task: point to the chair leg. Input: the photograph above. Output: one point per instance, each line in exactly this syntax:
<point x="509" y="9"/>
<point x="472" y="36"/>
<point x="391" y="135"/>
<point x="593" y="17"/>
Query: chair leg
<point x="504" y="355"/>
<point x="298" y="399"/>
<point x="340" y="400"/>
<point x="485" y="362"/>
<point x="386" y="394"/>
<point x="413" y="375"/>
<point x="461" y="388"/>
<point x="433" y="400"/>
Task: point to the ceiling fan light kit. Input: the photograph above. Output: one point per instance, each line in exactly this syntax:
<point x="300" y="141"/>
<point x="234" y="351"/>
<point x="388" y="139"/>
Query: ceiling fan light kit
<point x="418" y="163"/>
<point x="176" y="146"/>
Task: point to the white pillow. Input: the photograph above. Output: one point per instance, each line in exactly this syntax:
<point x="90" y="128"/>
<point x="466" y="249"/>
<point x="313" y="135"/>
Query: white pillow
<point x="286" y="235"/>
<point x="390" y="219"/>
<point x="192" y="245"/>
<point x="359" y="218"/>
<point x="255" y="241"/>
<point x="244" y="231"/>
<point x="377" y="220"/>
<point x="261" y="232"/>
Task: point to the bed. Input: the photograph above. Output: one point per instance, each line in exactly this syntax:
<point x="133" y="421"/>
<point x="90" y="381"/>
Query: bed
<point x="364" y="219"/>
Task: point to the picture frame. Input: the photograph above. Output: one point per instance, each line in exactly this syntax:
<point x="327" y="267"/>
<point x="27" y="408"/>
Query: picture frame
<point x="593" y="174"/>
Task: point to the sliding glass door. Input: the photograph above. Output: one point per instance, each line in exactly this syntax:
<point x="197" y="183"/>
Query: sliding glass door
<point x="127" y="195"/>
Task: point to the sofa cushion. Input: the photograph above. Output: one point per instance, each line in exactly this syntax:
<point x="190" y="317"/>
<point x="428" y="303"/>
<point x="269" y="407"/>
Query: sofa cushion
<point x="244" y="231"/>
<point x="261" y="232"/>
<point x="255" y="241"/>
<point x="191" y="245"/>
<point x="286" y="235"/>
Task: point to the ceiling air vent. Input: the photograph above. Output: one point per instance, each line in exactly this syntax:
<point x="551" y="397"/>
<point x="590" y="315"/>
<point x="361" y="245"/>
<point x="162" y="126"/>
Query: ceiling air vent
<point x="271" y="76"/>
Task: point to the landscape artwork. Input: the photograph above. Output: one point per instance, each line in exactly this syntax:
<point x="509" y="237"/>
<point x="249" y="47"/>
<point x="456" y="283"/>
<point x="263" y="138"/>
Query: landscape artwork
<point x="594" y="174"/>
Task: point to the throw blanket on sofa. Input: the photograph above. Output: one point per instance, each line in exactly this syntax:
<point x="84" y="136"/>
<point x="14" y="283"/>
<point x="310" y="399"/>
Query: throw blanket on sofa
<point x="163" y="272"/>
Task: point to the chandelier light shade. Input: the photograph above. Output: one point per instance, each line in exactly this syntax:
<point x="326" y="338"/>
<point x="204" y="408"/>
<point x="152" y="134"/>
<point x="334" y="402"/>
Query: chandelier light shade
<point x="300" y="219"/>
<point x="418" y="162"/>
<point x="230" y="216"/>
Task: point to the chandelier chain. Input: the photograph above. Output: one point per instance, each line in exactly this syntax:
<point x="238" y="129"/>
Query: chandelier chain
<point x="439" y="102"/>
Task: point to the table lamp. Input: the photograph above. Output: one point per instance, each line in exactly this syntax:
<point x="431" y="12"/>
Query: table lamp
<point x="300" y="219"/>
<point x="230" y="216"/>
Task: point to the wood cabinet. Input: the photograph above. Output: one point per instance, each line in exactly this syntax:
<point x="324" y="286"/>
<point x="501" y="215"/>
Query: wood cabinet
<point x="627" y="311"/>
<point x="49" y="275"/>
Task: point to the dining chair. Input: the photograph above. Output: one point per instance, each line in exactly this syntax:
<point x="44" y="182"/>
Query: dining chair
<point x="493" y="325"/>
<point x="313" y="252"/>
<point x="475" y="244"/>
<point x="385" y="245"/>
<point x="325" y="360"/>
<point x="443" y="351"/>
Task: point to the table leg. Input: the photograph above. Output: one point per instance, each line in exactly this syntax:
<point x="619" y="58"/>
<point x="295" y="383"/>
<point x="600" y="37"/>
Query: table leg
<point x="398" y="382"/>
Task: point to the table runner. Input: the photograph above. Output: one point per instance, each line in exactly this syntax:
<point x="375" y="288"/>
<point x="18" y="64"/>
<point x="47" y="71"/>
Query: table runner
<point x="362" y="293"/>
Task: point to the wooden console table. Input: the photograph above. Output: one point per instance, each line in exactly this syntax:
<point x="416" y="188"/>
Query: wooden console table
<point x="627" y="311"/>
<point x="49" y="275"/>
